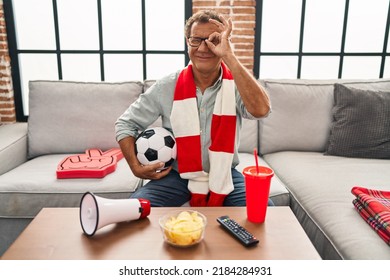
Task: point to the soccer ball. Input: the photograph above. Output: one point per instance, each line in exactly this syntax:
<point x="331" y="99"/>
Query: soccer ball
<point x="156" y="145"/>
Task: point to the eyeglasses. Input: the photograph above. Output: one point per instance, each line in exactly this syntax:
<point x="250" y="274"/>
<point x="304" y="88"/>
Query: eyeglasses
<point x="197" y="41"/>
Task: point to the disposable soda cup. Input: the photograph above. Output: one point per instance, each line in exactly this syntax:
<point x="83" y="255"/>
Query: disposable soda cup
<point x="257" y="185"/>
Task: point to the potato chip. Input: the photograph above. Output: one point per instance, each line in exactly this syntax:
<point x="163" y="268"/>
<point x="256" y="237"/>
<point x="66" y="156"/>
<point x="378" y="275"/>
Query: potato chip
<point x="184" y="216"/>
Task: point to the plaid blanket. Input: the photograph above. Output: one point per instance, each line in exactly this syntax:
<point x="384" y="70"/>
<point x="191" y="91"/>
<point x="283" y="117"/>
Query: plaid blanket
<point x="374" y="207"/>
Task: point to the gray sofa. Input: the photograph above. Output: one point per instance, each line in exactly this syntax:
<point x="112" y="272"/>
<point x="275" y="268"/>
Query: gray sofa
<point x="69" y="117"/>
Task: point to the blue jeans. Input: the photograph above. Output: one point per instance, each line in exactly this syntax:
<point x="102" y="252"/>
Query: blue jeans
<point x="172" y="191"/>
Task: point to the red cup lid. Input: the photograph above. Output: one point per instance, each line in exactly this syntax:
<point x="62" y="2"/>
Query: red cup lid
<point x="263" y="171"/>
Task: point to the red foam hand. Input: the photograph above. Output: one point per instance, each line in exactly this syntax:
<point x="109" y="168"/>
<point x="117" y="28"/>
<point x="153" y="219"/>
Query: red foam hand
<point x="93" y="164"/>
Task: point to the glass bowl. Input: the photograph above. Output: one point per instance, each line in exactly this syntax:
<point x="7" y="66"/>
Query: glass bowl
<point x="183" y="228"/>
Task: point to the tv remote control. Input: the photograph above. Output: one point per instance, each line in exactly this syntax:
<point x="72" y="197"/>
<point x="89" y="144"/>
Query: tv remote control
<point x="239" y="232"/>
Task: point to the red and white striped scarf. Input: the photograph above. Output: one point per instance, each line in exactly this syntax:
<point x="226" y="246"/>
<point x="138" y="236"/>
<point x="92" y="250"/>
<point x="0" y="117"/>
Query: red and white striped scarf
<point x="207" y="189"/>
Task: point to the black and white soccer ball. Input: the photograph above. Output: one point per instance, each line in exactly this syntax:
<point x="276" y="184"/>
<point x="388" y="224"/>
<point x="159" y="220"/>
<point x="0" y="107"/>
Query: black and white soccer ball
<point x="155" y="145"/>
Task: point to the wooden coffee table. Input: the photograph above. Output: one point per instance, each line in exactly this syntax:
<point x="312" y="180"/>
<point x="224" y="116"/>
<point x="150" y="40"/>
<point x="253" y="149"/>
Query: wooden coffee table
<point x="56" y="233"/>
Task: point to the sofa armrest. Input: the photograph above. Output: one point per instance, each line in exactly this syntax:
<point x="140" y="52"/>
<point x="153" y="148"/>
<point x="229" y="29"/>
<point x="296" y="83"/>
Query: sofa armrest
<point x="13" y="146"/>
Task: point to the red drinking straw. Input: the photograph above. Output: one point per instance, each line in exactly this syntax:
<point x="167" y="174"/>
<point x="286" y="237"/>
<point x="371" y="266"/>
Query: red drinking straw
<point x="257" y="162"/>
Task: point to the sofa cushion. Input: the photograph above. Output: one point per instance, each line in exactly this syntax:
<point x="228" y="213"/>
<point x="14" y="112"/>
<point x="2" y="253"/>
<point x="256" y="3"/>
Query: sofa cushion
<point x="320" y="188"/>
<point x="248" y="136"/>
<point x="70" y="117"/>
<point x="361" y="123"/>
<point x="26" y="189"/>
<point x="301" y="115"/>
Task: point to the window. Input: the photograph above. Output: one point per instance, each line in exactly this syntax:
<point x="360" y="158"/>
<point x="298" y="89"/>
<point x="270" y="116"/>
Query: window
<point x="103" y="40"/>
<point x="318" y="39"/>
<point x="93" y="40"/>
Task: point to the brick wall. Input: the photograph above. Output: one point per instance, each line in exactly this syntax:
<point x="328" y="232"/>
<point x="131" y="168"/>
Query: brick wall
<point x="7" y="106"/>
<point x="243" y="14"/>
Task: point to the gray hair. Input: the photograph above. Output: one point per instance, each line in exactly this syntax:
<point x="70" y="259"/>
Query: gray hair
<point x="202" y="17"/>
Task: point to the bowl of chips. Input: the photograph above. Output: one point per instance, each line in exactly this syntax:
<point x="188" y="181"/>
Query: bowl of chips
<point x="183" y="228"/>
